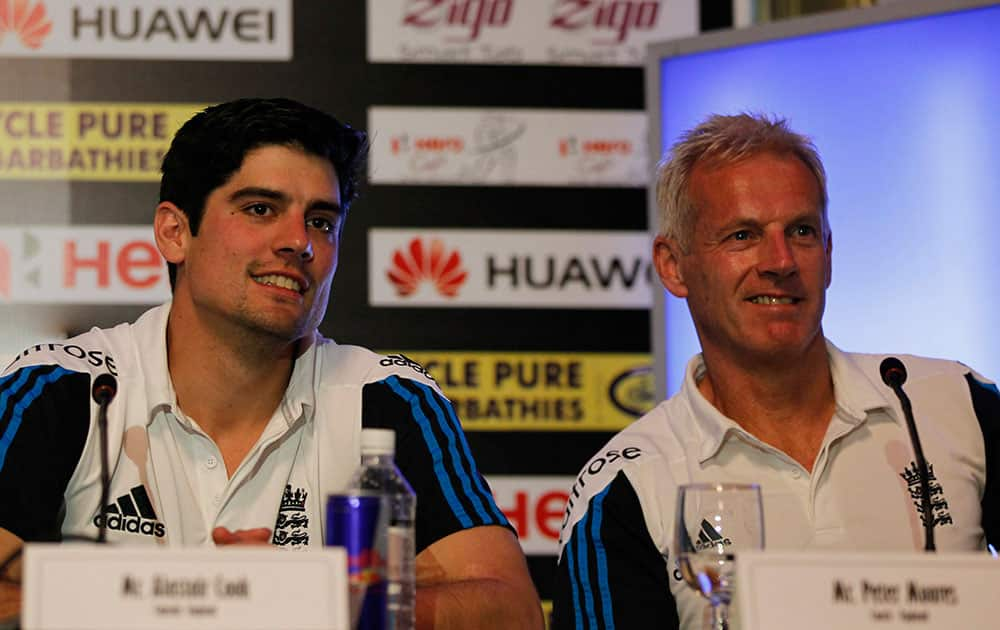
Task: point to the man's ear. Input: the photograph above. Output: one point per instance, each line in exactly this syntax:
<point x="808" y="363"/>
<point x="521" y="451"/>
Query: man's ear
<point x="666" y="258"/>
<point x="172" y="232"/>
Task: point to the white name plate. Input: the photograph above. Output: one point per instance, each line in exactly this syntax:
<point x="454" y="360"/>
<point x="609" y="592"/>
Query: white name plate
<point x="835" y="590"/>
<point x="75" y="586"/>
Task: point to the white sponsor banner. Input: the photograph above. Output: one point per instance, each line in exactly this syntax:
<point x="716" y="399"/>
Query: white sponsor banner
<point x="509" y="268"/>
<point x="81" y="264"/>
<point x="535" y="506"/>
<point x="546" y="32"/>
<point x="136" y="29"/>
<point x="466" y="146"/>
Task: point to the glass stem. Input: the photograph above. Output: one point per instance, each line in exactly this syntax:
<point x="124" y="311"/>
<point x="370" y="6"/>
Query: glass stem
<point x="720" y="616"/>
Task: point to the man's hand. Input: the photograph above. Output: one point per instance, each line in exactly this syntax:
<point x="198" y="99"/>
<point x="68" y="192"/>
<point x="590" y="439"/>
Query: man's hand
<point x="258" y="536"/>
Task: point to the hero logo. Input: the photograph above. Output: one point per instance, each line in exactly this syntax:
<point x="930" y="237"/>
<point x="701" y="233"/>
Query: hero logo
<point x="572" y="146"/>
<point x="137" y="265"/>
<point x="469" y="15"/>
<point x="619" y="16"/>
<point x="417" y="263"/>
<point x="536" y="517"/>
<point x="29" y="22"/>
<point x="431" y="144"/>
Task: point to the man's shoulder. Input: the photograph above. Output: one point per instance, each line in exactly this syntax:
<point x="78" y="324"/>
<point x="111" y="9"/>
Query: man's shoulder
<point x="646" y="441"/>
<point x="637" y="456"/>
<point x="918" y="368"/>
<point x="96" y="351"/>
<point x="356" y="365"/>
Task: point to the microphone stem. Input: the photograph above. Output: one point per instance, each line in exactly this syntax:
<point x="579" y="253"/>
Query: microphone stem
<point x="922" y="471"/>
<point x="102" y="426"/>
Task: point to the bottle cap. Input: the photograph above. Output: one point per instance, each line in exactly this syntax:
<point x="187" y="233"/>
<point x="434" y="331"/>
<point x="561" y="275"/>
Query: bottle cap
<point x="378" y="442"/>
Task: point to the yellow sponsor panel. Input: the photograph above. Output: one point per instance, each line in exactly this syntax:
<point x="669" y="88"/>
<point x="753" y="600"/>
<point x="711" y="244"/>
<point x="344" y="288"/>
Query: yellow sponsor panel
<point x="528" y="391"/>
<point x="88" y="141"/>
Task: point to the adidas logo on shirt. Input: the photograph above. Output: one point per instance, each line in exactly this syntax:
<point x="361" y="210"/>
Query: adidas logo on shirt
<point x="709" y="537"/>
<point x="132" y="513"/>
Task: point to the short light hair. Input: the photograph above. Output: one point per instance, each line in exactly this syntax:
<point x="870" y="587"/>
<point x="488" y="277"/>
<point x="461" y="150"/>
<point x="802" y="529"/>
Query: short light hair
<point x="725" y="140"/>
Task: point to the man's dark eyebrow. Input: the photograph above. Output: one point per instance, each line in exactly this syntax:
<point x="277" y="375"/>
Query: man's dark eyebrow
<point x="276" y="195"/>
<point x="256" y="191"/>
<point x="321" y="204"/>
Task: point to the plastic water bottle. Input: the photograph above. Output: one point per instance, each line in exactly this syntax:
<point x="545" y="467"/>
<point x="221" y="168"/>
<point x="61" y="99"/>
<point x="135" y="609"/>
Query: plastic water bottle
<point x="379" y="476"/>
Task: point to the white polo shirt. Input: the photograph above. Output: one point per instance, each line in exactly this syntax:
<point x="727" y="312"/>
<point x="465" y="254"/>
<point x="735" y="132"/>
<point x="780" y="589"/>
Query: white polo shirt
<point x="860" y="495"/>
<point x="169" y="485"/>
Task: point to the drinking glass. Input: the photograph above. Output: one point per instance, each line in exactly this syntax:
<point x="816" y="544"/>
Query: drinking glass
<point x="714" y="522"/>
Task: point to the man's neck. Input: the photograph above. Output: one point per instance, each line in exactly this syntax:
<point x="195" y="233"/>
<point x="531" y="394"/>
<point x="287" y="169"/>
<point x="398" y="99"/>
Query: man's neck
<point x="787" y="404"/>
<point x="230" y="382"/>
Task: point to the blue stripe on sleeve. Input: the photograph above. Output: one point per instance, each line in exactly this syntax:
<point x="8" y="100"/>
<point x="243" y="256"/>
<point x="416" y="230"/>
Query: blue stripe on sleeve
<point x="583" y="571"/>
<point x="9" y="389"/>
<point x="435" y="449"/>
<point x="464" y="476"/>
<point x="575" y="583"/>
<point x="601" y="559"/>
<point x="500" y="518"/>
<point x="23" y="403"/>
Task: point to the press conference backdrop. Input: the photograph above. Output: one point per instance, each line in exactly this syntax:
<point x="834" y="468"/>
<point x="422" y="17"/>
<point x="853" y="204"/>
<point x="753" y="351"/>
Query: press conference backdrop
<point x="901" y="101"/>
<point x="507" y="134"/>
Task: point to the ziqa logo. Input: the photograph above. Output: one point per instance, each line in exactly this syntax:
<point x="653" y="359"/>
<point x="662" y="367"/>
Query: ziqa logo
<point x="29" y="22"/>
<point x="132" y="513"/>
<point x="470" y="16"/>
<point x="418" y="263"/>
<point x="709" y="537"/>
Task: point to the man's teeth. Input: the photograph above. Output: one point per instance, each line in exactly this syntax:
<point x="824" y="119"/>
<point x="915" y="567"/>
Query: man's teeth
<point x="766" y="299"/>
<point x="279" y="281"/>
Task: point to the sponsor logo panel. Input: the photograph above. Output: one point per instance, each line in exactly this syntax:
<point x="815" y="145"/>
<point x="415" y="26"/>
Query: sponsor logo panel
<point x="509" y="268"/>
<point x="534" y="505"/>
<point x="467" y="146"/>
<point x="522" y="391"/>
<point x="135" y="29"/>
<point x="87" y="141"/>
<point x="555" y="32"/>
<point x="82" y="264"/>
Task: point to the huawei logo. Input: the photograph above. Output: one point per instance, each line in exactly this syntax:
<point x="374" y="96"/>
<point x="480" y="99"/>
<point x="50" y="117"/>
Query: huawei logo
<point x="416" y="264"/>
<point x="30" y="23"/>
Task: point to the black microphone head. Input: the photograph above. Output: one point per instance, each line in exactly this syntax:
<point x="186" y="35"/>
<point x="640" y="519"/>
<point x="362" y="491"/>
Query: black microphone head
<point x="893" y="372"/>
<point x="104" y="388"/>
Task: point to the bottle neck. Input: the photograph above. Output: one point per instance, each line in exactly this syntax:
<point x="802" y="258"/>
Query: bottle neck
<point x="376" y="459"/>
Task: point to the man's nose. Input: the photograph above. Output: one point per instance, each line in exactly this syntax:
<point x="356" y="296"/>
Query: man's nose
<point x="777" y="256"/>
<point x="293" y="238"/>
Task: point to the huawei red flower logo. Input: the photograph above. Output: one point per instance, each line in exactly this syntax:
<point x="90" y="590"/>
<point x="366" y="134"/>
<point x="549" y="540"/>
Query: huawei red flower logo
<point x="416" y="264"/>
<point x="29" y="21"/>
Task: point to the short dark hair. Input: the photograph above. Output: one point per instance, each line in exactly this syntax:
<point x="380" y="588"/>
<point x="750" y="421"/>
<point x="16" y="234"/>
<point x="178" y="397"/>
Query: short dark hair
<point x="211" y="146"/>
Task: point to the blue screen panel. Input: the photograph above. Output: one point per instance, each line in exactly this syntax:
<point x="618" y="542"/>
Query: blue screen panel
<point x="905" y="116"/>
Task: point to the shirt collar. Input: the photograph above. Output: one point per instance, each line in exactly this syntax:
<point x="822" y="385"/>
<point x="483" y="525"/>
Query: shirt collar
<point x="150" y="332"/>
<point x="854" y="392"/>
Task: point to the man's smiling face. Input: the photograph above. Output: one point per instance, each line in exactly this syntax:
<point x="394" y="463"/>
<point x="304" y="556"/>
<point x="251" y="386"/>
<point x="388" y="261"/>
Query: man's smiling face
<point x="759" y="263"/>
<point x="266" y="250"/>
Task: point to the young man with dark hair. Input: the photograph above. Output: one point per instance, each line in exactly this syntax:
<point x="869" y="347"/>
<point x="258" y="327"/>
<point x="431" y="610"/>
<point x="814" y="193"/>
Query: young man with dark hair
<point x="234" y="417"/>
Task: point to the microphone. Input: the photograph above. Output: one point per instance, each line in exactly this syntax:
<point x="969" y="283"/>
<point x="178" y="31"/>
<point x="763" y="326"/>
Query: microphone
<point x="103" y="391"/>
<point x="894" y="375"/>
